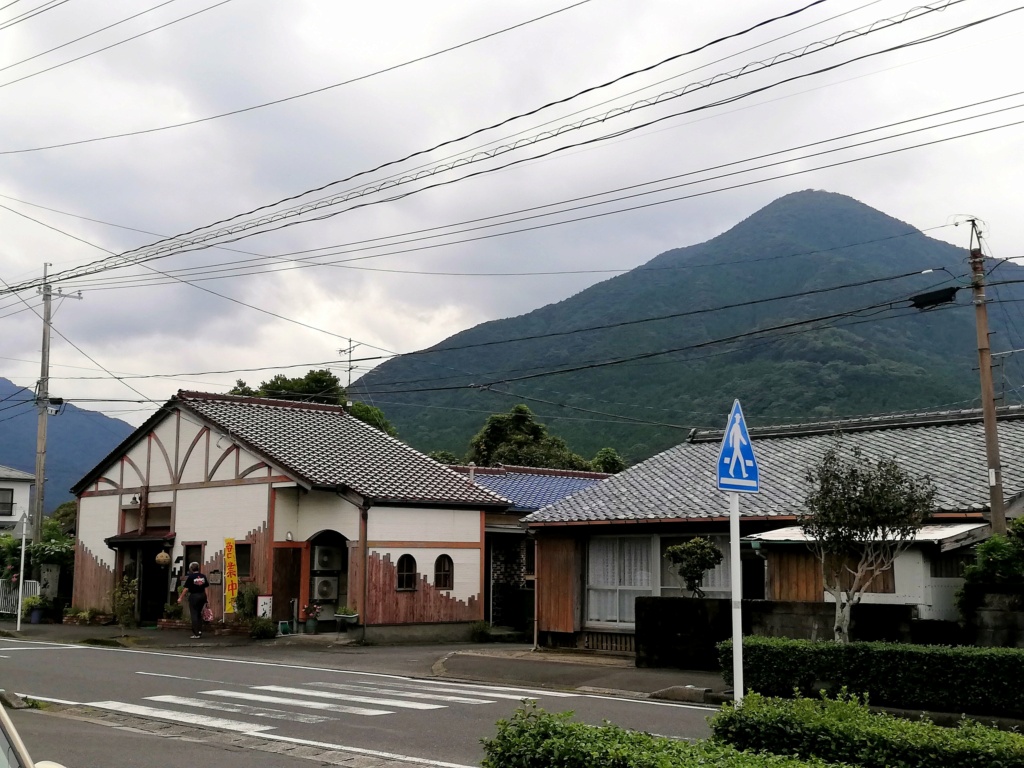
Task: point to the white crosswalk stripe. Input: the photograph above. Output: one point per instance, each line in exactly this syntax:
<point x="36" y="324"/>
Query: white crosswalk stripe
<point x="490" y="693"/>
<point x="348" y="697"/>
<point x="241" y="709"/>
<point x="190" y="718"/>
<point x="400" y="692"/>
<point x="466" y="687"/>
<point x="325" y="706"/>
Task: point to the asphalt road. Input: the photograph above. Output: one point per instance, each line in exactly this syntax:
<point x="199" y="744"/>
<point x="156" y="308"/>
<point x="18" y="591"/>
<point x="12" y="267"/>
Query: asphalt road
<point x="367" y="710"/>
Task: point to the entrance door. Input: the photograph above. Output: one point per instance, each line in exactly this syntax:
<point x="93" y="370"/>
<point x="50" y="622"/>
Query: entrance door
<point x="287" y="581"/>
<point x="154" y="589"/>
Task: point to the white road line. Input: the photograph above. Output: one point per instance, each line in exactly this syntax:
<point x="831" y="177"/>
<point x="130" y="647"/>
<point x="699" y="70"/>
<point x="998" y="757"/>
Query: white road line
<point x="489" y="694"/>
<point x="182" y="677"/>
<point x="398" y="692"/>
<point x="240" y="709"/>
<point x="487" y="688"/>
<point x="361" y="751"/>
<point x="321" y="705"/>
<point x="49" y="648"/>
<point x="179" y="717"/>
<point x="347" y="697"/>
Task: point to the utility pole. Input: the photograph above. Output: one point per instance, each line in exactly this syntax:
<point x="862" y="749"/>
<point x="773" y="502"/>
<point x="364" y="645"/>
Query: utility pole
<point x="43" y="406"/>
<point x="997" y="515"/>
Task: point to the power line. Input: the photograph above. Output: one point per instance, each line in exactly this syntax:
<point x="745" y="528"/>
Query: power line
<point x="161" y="249"/>
<point x="32" y="13"/>
<point x="113" y="45"/>
<point x="396" y="66"/>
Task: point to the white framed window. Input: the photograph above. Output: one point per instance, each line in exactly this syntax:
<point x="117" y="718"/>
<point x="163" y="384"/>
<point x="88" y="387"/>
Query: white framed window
<point x="619" y="570"/>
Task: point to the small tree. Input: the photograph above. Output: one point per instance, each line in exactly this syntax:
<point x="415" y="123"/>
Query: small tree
<point x="124" y="599"/>
<point x="691" y="560"/>
<point x="860" y="517"/>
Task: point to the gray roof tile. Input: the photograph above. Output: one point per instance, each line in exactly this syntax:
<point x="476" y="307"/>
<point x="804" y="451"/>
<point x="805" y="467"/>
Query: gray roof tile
<point x="326" y="447"/>
<point x="680" y="483"/>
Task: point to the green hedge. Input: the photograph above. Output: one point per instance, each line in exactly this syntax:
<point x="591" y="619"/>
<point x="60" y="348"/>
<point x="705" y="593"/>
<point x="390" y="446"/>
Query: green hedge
<point x="845" y="730"/>
<point x="982" y="681"/>
<point x="537" y="739"/>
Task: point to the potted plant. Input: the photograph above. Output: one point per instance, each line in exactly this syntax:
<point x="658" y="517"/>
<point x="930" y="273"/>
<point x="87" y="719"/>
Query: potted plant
<point x="347" y="615"/>
<point x="312" y="613"/>
<point x="33" y="607"/>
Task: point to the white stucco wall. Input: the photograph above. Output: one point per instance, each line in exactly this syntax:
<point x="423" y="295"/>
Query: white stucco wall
<point x="465" y="566"/>
<point x="215" y="514"/>
<point x="286" y="512"/>
<point x="411" y="524"/>
<point x="194" y="470"/>
<point x="98" y="518"/>
<point x="322" y="511"/>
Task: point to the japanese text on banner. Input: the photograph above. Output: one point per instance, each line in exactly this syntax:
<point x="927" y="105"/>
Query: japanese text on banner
<point x="230" y="576"/>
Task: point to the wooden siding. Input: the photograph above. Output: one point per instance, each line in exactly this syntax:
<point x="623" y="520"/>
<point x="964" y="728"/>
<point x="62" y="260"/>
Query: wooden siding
<point x="262" y="568"/>
<point x="423" y="605"/>
<point x="94" y="581"/>
<point x="557" y="579"/>
<point x="796" y="575"/>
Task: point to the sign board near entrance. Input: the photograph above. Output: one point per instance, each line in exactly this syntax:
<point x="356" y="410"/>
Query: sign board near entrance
<point x="230" y="576"/>
<point x="265" y="606"/>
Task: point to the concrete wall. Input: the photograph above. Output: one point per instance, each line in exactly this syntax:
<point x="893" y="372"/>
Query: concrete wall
<point x="999" y="621"/>
<point x="415" y="633"/>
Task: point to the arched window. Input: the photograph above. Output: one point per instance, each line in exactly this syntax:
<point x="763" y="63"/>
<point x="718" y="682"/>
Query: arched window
<point x="407" y="572"/>
<point x="444" y="573"/>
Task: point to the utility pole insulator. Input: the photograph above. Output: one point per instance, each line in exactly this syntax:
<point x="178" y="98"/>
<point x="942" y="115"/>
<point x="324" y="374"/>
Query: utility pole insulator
<point x="997" y="513"/>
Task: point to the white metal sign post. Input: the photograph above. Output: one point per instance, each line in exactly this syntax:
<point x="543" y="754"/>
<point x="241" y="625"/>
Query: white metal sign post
<point x="737" y="473"/>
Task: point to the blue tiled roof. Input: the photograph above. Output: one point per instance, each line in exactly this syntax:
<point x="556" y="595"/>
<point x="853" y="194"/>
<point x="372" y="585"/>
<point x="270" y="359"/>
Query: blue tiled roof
<point x="529" y="492"/>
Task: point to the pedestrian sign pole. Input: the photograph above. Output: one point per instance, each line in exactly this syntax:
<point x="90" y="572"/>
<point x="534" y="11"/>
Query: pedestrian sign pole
<point x="736" y="469"/>
<point x="23" y="526"/>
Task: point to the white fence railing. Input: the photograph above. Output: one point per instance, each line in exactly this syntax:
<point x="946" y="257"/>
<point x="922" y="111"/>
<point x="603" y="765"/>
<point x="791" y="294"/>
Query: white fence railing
<point x="9" y="595"/>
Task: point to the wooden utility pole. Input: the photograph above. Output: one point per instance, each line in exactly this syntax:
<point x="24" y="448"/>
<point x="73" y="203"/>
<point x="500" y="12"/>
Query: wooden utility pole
<point x="997" y="515"/>
<point x="43" y="406"/>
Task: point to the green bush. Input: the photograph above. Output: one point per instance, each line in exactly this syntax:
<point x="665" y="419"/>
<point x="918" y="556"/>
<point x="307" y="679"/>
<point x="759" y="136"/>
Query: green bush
<point x="844" y="730"/>
<point x="262" y="628"/>
<point x="480" y="632"/>
<point x="533" y="738"/>
<point x="33" y="602"/>
<point x="983" y="681"/>
<point x="245" y="601"/>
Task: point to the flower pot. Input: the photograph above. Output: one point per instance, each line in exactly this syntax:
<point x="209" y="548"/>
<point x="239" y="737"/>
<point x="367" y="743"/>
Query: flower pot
<point x="349" y="618"/>
<point x="36" y="616"/>
<point x="310" y="626"/>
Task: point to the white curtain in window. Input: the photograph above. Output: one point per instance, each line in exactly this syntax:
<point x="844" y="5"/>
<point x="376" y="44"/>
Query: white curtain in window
<point x="636" y="562"/>
<point x="601" y="605"/>
<point x="602" y="568"/>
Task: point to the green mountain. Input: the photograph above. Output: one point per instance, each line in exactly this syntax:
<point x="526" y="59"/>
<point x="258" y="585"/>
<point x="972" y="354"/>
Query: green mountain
<point x="76" y="441"/>
<point x="890" y="358"/>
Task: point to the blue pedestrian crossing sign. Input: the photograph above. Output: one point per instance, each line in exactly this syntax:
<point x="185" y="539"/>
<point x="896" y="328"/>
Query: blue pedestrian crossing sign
<point x="737" y="466"/>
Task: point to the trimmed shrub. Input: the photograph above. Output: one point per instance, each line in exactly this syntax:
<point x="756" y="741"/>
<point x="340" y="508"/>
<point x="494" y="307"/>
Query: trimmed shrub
<point x="982" y="681"/>
<point x="845" y="730"/>
<point x="533" y="738"/>
<point x="262" y="628"/>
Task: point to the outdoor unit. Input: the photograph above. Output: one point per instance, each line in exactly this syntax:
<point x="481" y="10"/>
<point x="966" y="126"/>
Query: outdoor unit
<point x="325" y="587"/>
<point x="326" y="559"/>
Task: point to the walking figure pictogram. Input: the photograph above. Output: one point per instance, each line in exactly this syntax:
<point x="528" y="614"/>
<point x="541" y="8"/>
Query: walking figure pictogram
<point x="737" y="466"/>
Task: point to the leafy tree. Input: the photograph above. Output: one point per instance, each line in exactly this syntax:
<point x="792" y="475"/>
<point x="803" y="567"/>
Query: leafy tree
<point x="608" y="460"/>
<point x="373" y="416"/>
<point x="317" y="386"/>
<point x="860" y="517"/>
<point x="692" y="560"/>
<point x="65" y="515"/>
<point x="516" y="438"/>
<point x="444" y="457"/>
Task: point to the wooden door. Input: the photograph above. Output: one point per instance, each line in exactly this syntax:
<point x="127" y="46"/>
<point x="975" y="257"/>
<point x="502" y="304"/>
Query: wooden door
<point x="287" y="581"/>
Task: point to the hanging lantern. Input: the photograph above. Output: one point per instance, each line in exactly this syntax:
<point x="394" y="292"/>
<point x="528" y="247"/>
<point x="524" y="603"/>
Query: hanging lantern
<point x="163" y="559"/>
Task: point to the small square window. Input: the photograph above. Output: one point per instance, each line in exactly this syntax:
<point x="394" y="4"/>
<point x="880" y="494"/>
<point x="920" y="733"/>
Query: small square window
<point x="243" y="559"/>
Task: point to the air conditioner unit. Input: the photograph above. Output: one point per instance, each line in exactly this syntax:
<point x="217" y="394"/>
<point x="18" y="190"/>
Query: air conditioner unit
<point x="326" y="559"/>
<point x="325" y="588"/>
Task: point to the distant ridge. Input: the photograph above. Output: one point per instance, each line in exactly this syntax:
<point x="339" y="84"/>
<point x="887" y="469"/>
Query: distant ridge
<point x="800" y="242"/>
<point x="76" y="441"/>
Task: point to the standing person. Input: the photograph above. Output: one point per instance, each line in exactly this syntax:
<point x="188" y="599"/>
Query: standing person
<point x="195" y="585"/>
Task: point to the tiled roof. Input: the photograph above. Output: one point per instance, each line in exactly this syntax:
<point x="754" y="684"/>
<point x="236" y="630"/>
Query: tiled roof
<point x="10" y="473"/>
<point x="943" y="533"/>
<point x="680" y="483"/>
<point x="326" y="447"/>
<point x="530" y="488"/>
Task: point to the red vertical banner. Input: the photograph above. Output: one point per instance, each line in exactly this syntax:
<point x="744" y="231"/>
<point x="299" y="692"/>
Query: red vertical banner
<point x="230" y="576"/>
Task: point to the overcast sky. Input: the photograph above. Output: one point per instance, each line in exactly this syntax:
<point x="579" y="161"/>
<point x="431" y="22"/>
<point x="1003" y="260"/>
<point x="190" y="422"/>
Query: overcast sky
<point x="402" y="296"/>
